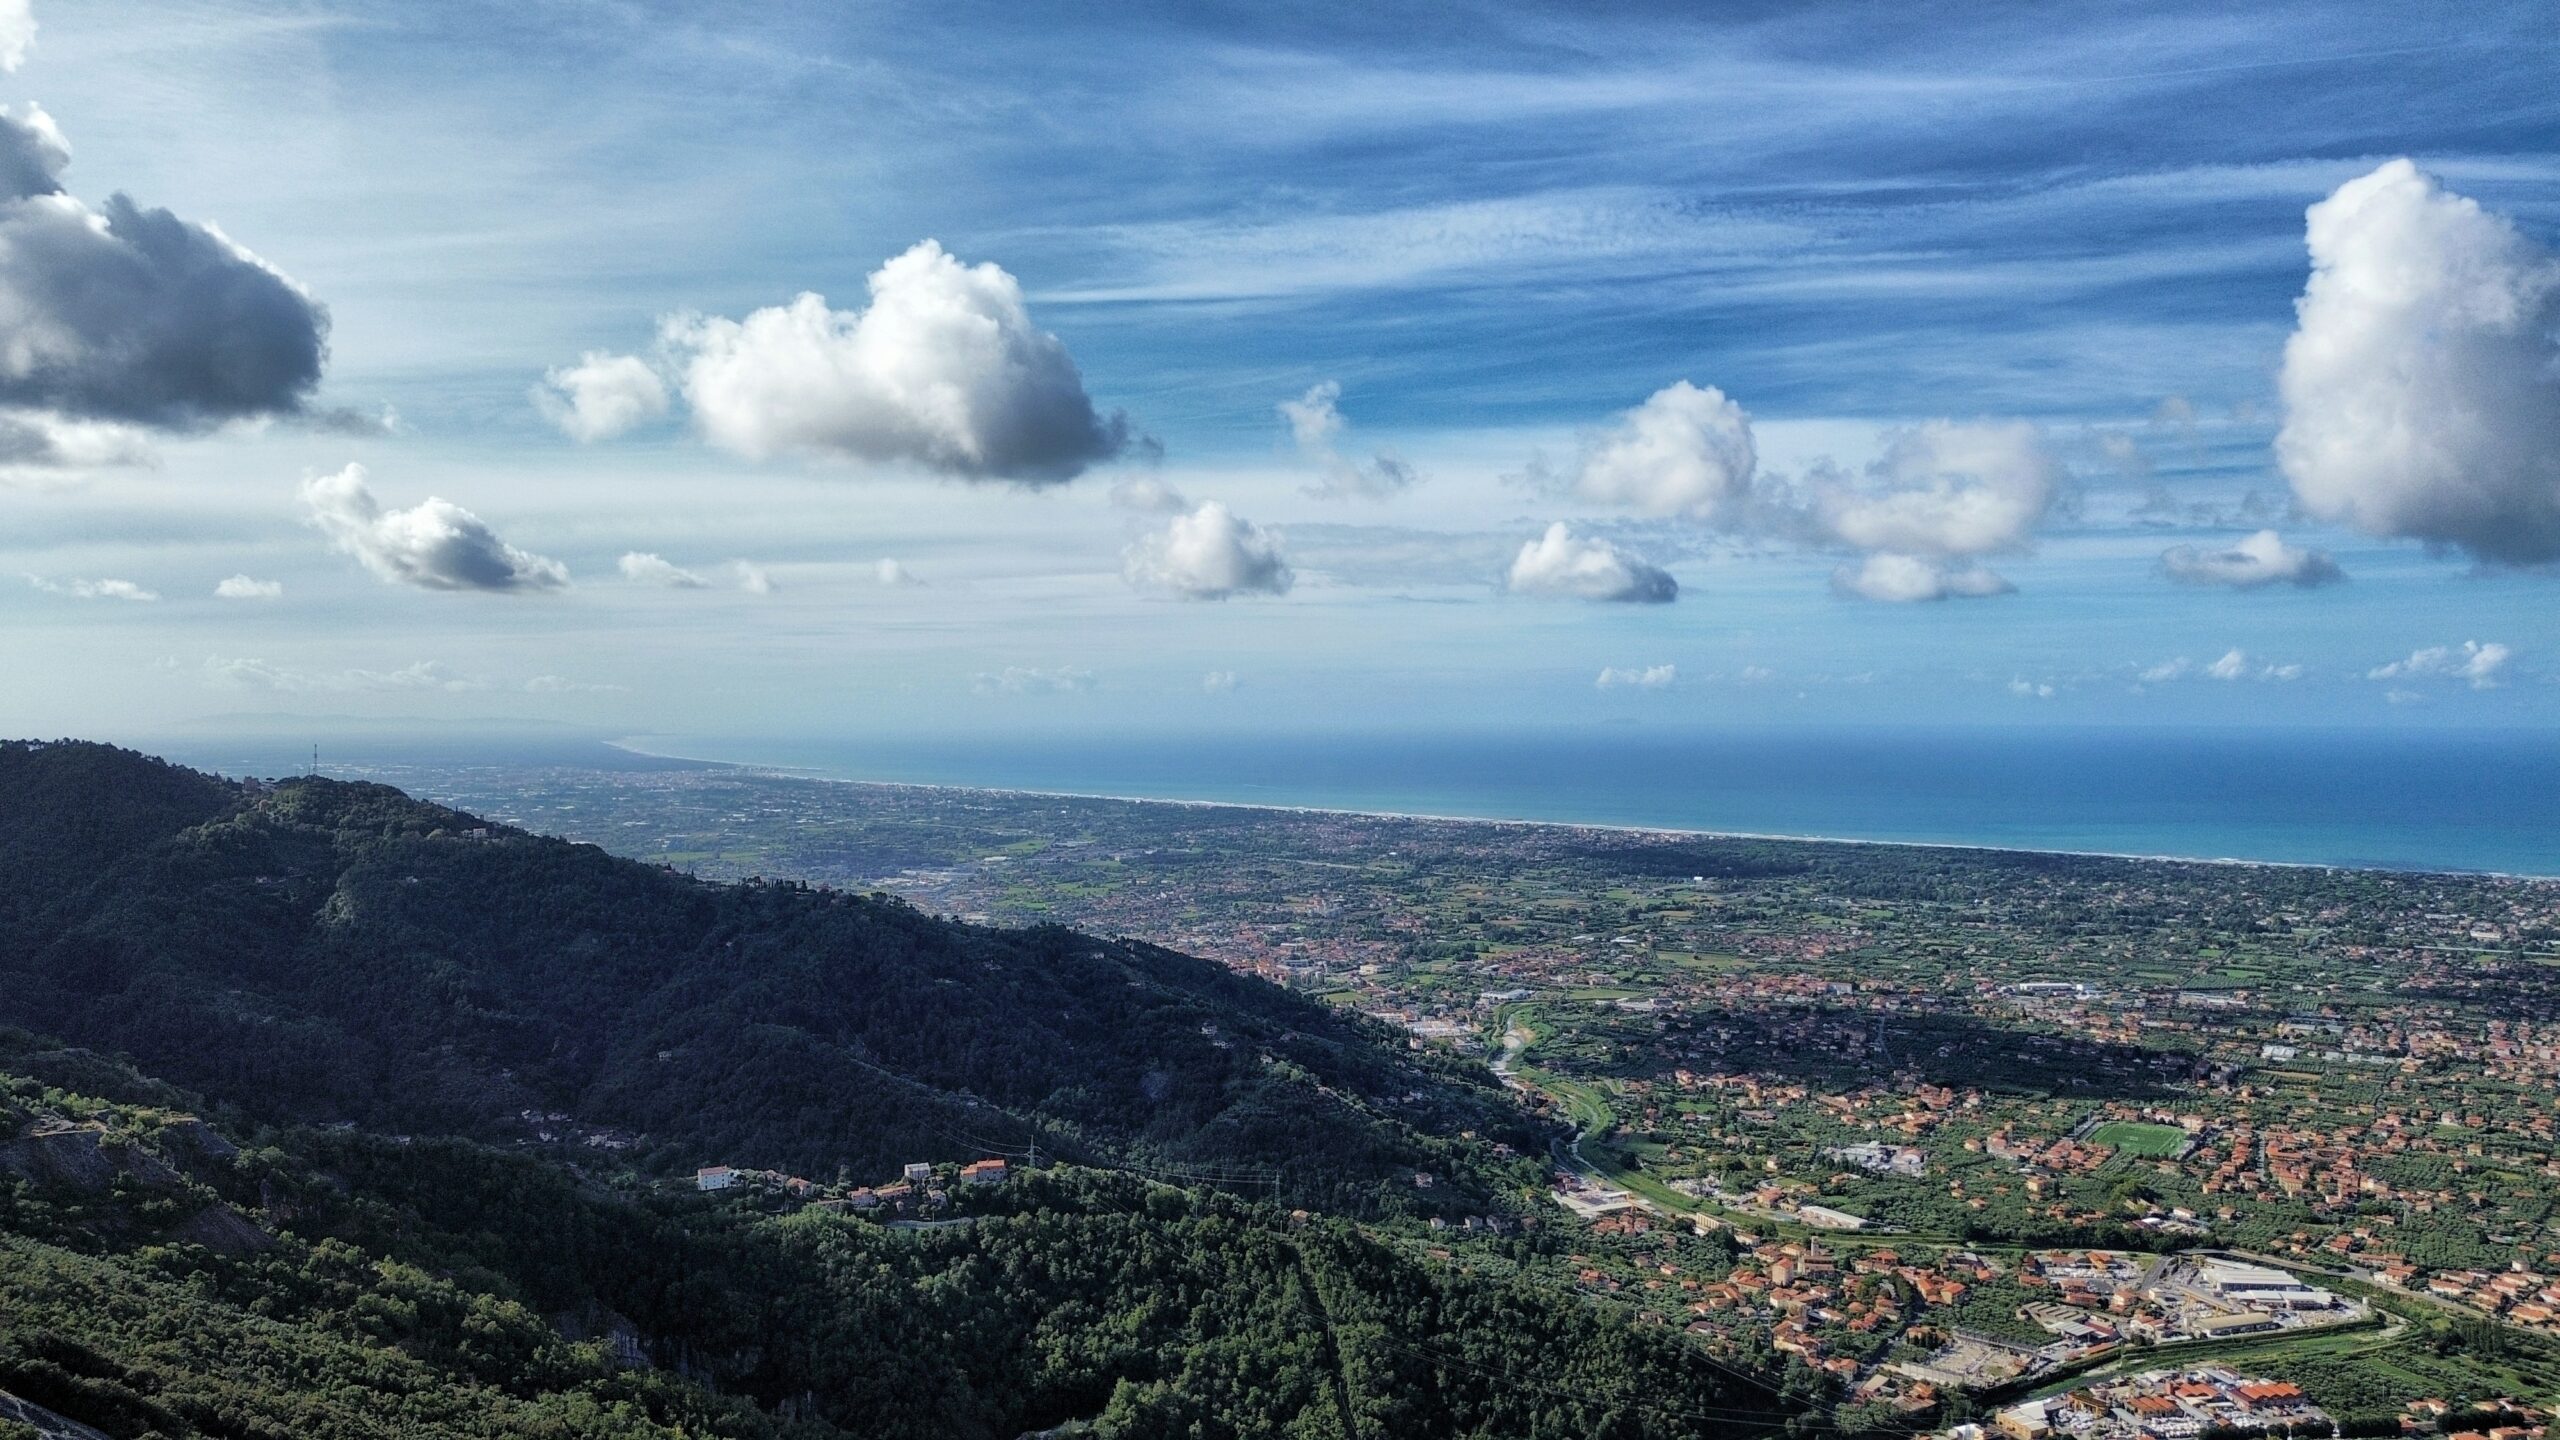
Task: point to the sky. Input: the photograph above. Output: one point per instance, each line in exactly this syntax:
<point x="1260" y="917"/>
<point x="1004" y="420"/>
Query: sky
<point x="804" y="369"/>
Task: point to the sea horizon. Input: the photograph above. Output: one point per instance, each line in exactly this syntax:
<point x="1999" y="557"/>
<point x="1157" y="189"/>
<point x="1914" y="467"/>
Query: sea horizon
<point x="2467" y="802"/>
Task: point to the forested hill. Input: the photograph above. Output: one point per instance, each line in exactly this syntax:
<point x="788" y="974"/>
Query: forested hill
<point x="161" y="1279"/>
<point x="318" y="951"/>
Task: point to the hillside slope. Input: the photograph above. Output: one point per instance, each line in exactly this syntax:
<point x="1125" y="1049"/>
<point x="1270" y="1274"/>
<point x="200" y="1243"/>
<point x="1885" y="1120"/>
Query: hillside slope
<point x="161" y="1278"/>
<point x="320" y="951"/>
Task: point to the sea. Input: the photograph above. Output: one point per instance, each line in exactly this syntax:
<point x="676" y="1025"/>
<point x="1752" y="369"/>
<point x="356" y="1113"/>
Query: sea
<point x="2465" y="801"/>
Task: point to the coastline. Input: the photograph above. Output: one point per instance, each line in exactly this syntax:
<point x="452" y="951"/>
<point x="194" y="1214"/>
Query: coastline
<point x="631" y="745"/>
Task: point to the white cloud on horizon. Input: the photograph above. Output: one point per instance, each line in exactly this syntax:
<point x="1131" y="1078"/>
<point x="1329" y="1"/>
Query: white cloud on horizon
<point x="1032" y="680"/>
<point x="94" y="589"/>
<point x="1557" y="565"/>
<point x="2479" y="665"/>
<point x="245" y="587"/>
<point x="1649" y="677"/>
<point x="644" y="568"/>
<point x="2251" y="563"/>
<point x="1909" y="579"/>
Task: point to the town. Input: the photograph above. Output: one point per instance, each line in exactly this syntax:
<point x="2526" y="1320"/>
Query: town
<point x="1938" y="1126"/>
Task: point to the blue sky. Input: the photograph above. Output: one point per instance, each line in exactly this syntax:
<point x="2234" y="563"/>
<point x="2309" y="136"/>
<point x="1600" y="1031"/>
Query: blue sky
<point x="1499" y="232"/>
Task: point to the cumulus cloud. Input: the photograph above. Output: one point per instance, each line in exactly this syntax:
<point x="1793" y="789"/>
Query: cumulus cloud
<point x="1685" y="451"/>
<point x="642" y="568"/>
<point x="1560" y="565"/>
<point x="2472" y="661"/>
<point x="135" y="316"/>
<point x="1649" y="677"/>
<point x="1316" y="423"/>
<point x="1218" y="682"/>
<point x="2026" y="689"/>
<point x="243" y="587"/>
<point x="894" y="573"/>
<point x="1148" y="496"/>
<point x="17" y="32"/>
<point x="1031" y="680"/>
<point x="2234" y="664"/>
<point x="753" y="578"/>
<point x="943" y="370"/>
<point x="2260" y="560"/>
<point x="434" y="545"/>
<point x="1947" y="490"/>
<point x="2421" y="384"/>
<point x="1209" y="554"/>
<point x="93" y="589"/>
<point x="601" y="396"/>
<point x="1910" y="579"/>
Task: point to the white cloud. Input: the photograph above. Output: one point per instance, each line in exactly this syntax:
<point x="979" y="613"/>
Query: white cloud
<point x="1209" y="554"/>
<point x="17" y="32"/>
<point x="2474" y="662"/>
<point x="2168" y="670"/>
<point x="1218" y="682"/>
<point x="435" y="545"/>
<point x="943" y="370"/>
<point x="1315" y="422"/>
<point x="2026" y="689"/>
<point x="1031" y="680"/>
<point x="2259" y="560"/>
<point x="642" y="568"/>
<point x="425" y="675"/>
<point x="1558" y="565"/>
<point x="2422" y="381"/>
<point x="753" y="578"/>
<point x="1909" y="579"/>
<point x="1755" y="675"/>
<point x="1685" y="451"/>
<point x="601" y="396"/>
<point x="2238" y="664"/>
<point x="894" y="573"/>
<point x="1651" y="677"/>
<point x="243" y="587"/>
<point x="1148" y="496"/>
<point x="1946" y="490"/>
<point x="93" y="589"/>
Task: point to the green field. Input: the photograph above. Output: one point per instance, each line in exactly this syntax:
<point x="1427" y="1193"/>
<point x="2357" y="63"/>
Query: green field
<point x="2135" y="1138"/>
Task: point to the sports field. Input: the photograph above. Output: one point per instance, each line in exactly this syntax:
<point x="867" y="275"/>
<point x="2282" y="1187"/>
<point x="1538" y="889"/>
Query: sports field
<point x="2136" y="1138"/>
